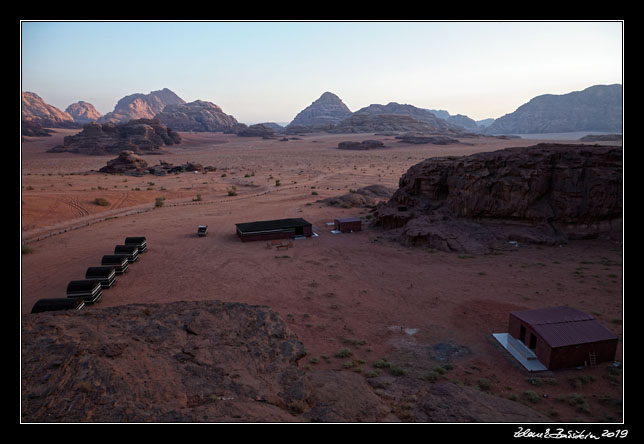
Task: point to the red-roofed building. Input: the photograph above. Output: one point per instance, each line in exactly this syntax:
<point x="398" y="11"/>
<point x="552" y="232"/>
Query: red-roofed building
<point x="563" y="337"/>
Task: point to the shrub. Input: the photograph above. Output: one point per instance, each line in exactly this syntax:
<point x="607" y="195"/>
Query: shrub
<point x="158" y="202"/>
<point x="101" y="201"/>
<point x="344" y="353"/>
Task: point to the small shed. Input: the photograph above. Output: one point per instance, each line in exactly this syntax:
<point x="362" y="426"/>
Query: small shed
<point x="274" y="229"/>
<point x="563" y="337"/>
<point x="348" y="224"/>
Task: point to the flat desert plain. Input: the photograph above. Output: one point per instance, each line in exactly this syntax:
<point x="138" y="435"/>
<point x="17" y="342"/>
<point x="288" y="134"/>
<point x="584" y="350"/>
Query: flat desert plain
<point x="361" y="290"/>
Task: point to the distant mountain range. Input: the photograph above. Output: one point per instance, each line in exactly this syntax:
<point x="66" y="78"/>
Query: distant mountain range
<point x="595" y="109"/>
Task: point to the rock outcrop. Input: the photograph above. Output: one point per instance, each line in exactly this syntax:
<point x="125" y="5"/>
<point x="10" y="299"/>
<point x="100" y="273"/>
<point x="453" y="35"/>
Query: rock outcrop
<point x="597" y="108"/>
<point x="139" y="136"/>
<point x="207" y="361"/>
<point x="547" y="193"/>
<point x="36" y="113"/>
<point x="256" y="130"/>
<point x="141" y="106"/>
<point x="368" y="144"/>
<point x="419" y="139"/>
<point x="83" y="112"/>
<point x="366" y="197"/>
<point x="200" y="116"/>
<point x="323" y="113"/>
<point x="126" y="161"/>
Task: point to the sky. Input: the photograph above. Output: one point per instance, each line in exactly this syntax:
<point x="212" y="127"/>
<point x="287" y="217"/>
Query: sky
<point x="268" y="71"/>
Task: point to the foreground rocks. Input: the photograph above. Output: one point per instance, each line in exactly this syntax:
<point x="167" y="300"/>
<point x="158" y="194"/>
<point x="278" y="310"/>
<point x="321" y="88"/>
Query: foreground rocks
<point x="546" y="194"/>
<point x="177" y="362"/>
<point x="212" y="361"/>
<point x="141" y="136"/>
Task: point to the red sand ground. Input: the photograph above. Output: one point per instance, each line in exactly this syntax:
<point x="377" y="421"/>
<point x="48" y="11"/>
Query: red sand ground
<point x="333" y="288"/>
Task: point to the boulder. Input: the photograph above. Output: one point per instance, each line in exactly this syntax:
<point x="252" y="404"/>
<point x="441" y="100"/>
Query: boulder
<point x="546" y="194"/>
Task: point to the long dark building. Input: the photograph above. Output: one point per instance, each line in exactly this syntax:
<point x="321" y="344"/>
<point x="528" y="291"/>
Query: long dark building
<point x="274" y="229"/>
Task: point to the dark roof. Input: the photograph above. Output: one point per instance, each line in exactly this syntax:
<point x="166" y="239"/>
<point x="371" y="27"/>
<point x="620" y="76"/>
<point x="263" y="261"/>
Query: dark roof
<point x="83" y="285"/>
<point x="99" y="271"/>
<point x="55" y="304"/>
<point x="348" y="219"/>
<point x="562" y="326"/>
<point x="272" y="225"/>
<point x="114" y="259"/>
<point x="135" y="239"/>
<point x="126" y="249"/>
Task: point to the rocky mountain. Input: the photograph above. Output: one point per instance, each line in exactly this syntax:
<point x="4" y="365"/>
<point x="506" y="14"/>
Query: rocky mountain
<point x="196" y="116"/>
<point x="597" y="108"/>
<point x="419" y="114"/>
<point x="547" y="194"/>
<point x="324" y="112"/>
<point x="141" y="136"/>
<point x="83" y="112"/>
<point x="40" y="114"/>
<point x="141" y="106"/>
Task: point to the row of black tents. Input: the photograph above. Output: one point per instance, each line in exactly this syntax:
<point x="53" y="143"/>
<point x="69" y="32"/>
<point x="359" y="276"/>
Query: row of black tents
<point x="90" y="290"/>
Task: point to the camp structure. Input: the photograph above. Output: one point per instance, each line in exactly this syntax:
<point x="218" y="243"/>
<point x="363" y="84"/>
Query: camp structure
<point x="138" y="241"/>
<point x="89" y="290"/>
<point x="348" y="224"/>
<point x="118" y="261"/>
<point x="55" y="304"/>
<point x="561" y="337"/>
<point x="131" y="252"/>
<point x="274" y="229"/>
<point x="105" y="274"/>
<point x="202" y="230"/>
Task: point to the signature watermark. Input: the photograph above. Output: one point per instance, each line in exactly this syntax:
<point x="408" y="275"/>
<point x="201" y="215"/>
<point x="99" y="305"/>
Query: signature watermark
<point x="560" y="433"/>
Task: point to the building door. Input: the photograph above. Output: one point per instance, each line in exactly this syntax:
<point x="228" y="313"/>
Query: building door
<point x="533" y="341"/>
<point x="522" y="334"/>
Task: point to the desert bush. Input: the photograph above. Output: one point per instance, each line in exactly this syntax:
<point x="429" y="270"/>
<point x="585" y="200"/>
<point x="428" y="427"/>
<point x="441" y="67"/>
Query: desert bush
<point x="158" y="202"/>
<point x="101" y="201"/>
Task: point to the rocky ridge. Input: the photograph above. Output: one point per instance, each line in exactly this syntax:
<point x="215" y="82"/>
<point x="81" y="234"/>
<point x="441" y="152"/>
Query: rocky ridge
<point x="546" y="194"/>
<point x="597" y="108"/>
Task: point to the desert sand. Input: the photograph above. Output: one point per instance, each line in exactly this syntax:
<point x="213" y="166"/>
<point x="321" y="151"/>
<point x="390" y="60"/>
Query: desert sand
<point x="357" y="290"/>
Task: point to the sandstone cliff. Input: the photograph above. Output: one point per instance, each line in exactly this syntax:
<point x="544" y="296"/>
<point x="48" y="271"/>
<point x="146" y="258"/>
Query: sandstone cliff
<point x="547" y="193"/>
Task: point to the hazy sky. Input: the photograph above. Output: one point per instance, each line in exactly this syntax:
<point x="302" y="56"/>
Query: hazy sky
<point x="269" y="71"/>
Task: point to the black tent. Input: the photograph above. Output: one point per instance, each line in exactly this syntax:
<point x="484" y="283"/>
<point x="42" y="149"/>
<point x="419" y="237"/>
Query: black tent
<point x="138" y="241"/>
<point x="105" y="274"/>
<point x="118" y="261"/>
<point x="55" y="304"/>
<point x="89" y="290"/>
<point x="129" y="251"/>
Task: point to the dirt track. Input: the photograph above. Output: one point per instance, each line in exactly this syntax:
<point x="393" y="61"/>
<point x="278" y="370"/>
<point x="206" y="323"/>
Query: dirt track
<point x="334" y="290"/>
